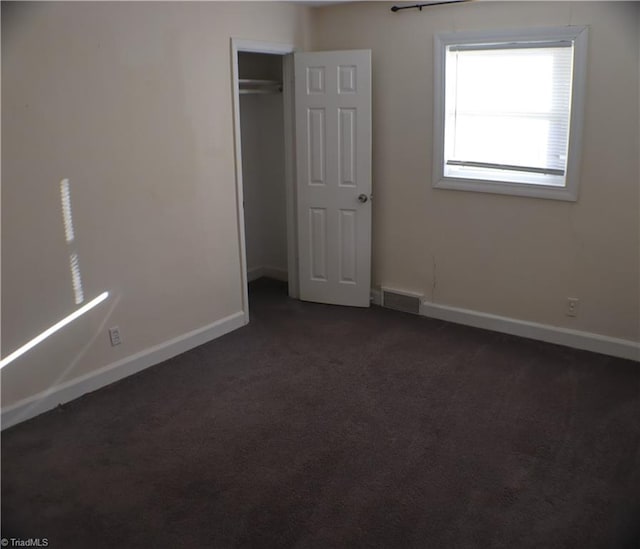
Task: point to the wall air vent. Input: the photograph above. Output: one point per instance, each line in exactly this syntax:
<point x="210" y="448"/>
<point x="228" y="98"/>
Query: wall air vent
<point x="401" y="301"/>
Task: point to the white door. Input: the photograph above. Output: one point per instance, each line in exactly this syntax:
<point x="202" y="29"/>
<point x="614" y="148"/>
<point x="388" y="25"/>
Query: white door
<point x="333" y="163"/>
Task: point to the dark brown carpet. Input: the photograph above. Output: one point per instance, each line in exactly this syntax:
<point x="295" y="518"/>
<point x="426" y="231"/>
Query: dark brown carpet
<point x="319" y="426"/>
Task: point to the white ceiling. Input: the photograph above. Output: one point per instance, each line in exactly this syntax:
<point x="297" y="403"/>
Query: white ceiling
<point x="317" y="3"/>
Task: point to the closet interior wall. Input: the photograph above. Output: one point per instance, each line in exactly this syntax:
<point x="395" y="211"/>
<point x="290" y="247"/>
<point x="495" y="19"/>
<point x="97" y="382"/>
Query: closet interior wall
<point x="263" y="167"/>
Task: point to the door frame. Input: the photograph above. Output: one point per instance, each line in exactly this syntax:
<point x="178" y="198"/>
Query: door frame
<point x="286" y="51"/>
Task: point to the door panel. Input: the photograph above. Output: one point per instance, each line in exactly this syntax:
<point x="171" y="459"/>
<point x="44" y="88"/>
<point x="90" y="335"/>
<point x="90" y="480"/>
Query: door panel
<point x="333" y="128"/>
<point x="348" y="243"/>
<point x="346" y="146"/>
<point x="316" y="146"/>
<point x="317" y="245"/>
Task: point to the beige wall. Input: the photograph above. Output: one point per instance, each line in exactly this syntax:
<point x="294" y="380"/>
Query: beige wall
<point x="132" y="103"/>
<point x="517" y="257"/>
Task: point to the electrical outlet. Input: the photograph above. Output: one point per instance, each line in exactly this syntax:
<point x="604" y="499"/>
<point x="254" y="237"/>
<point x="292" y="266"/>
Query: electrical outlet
<point x="572" y="306"/>
<point x="114" y="336"/>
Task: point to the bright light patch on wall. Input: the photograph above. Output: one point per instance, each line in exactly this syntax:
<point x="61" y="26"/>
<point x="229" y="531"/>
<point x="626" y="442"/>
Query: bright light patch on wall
<point x="76" y="279"/>
<point x="53" y="329"/>
<point x="65" y="197"/>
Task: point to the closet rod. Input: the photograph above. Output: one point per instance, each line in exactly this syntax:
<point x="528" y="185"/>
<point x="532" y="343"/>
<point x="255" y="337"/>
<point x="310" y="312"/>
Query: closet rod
<point x="258" y="82"/>
<point x="253" y="85"/>
<point x="420" y="6"/>
<point x="244" y="91"/>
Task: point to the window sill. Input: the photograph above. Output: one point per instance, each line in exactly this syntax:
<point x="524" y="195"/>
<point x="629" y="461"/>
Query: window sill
<point x="513" y="189"/>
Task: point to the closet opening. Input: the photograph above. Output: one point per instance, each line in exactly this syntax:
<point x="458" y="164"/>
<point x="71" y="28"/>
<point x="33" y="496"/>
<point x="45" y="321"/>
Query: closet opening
<point x="264" y="164"/>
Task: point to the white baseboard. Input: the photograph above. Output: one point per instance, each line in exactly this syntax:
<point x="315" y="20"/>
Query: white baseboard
<point x="376" y="297"/>
<point x="586" y="341"/>
<point x="254" y="274"/>
<point x="276" y="273"/>
<point x="270" y="272"/>
<point x="70" y="390"/>
<point x="65" y="392"/>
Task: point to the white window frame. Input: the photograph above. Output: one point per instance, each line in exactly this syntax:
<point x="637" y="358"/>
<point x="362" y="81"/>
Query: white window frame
<point x="568" y="192"/>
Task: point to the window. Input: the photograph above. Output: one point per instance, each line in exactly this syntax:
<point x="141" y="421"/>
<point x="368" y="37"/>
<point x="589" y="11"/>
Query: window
<point x="508" y="111"/>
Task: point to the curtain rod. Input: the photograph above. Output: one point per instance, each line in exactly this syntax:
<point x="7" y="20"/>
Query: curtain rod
<point x="420" y="6"/>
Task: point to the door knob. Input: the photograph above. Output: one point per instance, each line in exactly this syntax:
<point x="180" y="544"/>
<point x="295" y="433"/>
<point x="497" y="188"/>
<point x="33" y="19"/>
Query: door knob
<point x="363" y="198"/>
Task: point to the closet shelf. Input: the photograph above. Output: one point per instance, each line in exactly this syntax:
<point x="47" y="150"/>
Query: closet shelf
<point x="253" y="85"/>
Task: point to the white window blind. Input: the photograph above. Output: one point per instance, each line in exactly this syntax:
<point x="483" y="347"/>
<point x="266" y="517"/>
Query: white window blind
<point x="507" y="111"/>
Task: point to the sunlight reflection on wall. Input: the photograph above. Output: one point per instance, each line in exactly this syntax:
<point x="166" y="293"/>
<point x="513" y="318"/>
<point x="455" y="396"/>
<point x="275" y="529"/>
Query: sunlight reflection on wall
<point x="76" y="281"/>
<point x="74" y="264"/>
